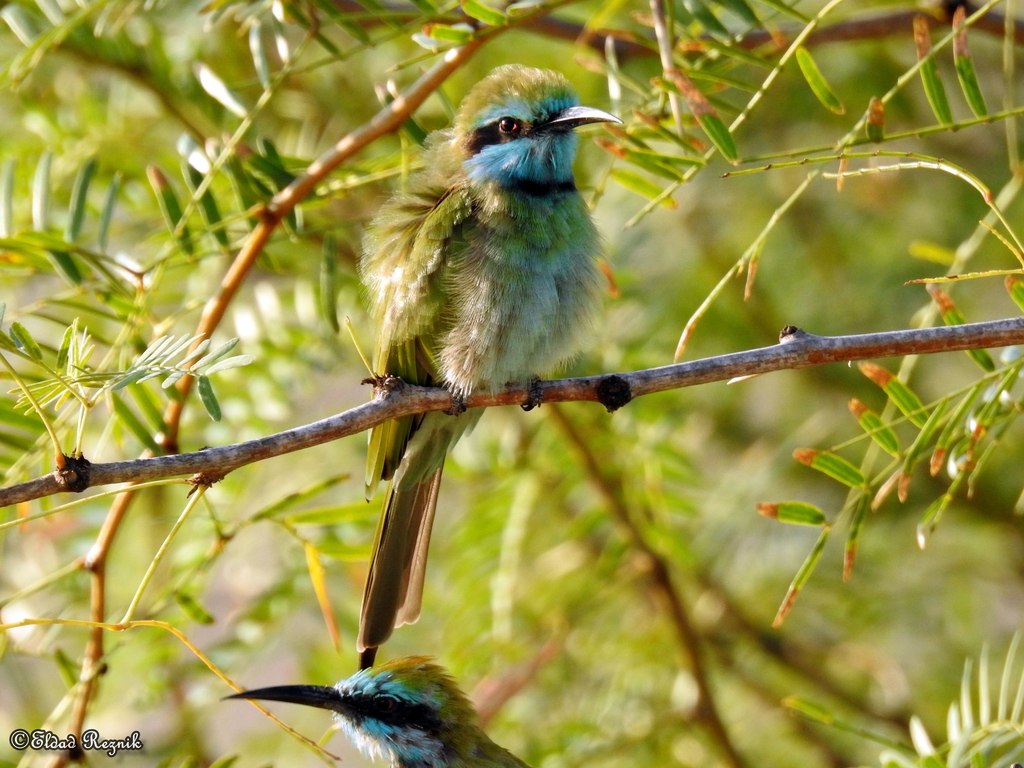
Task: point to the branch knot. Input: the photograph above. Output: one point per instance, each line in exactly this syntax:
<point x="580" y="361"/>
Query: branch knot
<point x="613" y="392"/>
<point x="73" y="477"/>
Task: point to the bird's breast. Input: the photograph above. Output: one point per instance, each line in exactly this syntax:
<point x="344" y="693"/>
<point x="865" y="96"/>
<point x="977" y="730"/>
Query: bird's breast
<point x="525" y="291"/>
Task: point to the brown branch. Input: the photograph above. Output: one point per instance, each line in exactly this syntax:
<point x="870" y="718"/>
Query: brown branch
<point x="705" y="712"/>
<point x="873" y="26"/>
<point x="494" y="691"/>
<point x="870" y="26"/>
<point x="394" y="399"/>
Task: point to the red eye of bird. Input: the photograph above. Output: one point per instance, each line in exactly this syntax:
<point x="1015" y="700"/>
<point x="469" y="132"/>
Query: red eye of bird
<point x="508" y="125"/>
<point x="384" y="704"/>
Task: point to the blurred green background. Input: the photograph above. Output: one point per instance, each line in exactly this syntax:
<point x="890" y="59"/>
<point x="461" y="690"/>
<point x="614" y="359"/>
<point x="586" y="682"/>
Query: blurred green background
<point x="541" y="595"/>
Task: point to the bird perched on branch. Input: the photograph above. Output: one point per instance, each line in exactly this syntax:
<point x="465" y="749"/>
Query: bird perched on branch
<point x="408" y="711"/>
<point x="481" y="273"/>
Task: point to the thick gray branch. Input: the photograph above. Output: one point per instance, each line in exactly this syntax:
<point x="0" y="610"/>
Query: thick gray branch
<point x="796" y="350"/>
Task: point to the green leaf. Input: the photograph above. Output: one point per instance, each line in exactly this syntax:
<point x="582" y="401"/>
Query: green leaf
<point x="953" y="316"/>
<point x="107" y="213"/>
<point x="741" y="9"/>
<point x="1015" y="287"/>
<point x="208" y="398"/>
<point x="900" y="394"/>
<point x="484" y="13"/>
<point x="298" y="497"/>
<point x="909" y="403"/>
<point x="802" y="576"/>
<point x="819" y="85"/>
<point x="917" y="448"/>
<point x="76" y="209"/>
<point x="927" y="251"/>
<point x="931" y="518"/>
<point x="832" y="465"/>
<point x="224" y="762"/>
<point x="269" y="163"/>
<point x="41" y="192"/>
<point x="151" y="407"/>
<point x="647" y="163"/>
<point x="65" y="266"/>
<point x="191" y="608"/>
<point x="449" y="33"/>
<point x="788" y="10"/>
<point x="719" y="135"/>
<point x="936" y="92"/>
<point x="809" y="709"/>
<point x="951" y="431"/>
<point x="874" y="126"/>
<point x="339" y="513"/>
<point x="853" y="537"/>
<point x="20" y="22"/>
<point x="216" y="355"/>
<point x="634" y="182"/>
<point x="170" y="208"/>
<point x="68" y="669"/>
<point x="259" y="53"/>
<point x="929" y="71"/>
<point x="7" y="343"/>
<point x="876" y="429"/>
<point x="793" y="512"/>
<point x="25" y="341"/>
<point x="965" y="65"/>
<point x="969" y="85"/>
<point x="65" y="347"/>
<point x="242" y="185"/>
<point x="238" y="361"/>
<point x="7" y="199"/>
<point x="136" y="427"/>
<point x="708" y="20"/>
<point x="345" y="552"/>
<point x="207" y="204"/>
<point x="52" y="11"/>
<point x="329" y="282"/>
<point x="219" y="90"/>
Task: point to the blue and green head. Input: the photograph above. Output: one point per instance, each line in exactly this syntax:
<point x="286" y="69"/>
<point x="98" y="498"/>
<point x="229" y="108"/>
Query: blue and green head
<point x="515" y="128"/>
<point x="407" y="711"/>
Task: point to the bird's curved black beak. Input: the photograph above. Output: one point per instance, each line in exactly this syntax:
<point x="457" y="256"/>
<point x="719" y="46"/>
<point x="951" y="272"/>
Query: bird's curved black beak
<point x="573" y="117"/>
<point x="320" y="696"/>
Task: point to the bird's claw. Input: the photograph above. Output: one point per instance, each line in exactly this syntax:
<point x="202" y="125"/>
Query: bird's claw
<point x="458" y="404"/>
<point x="384" y="385"/>
<point x="535" y="394"/>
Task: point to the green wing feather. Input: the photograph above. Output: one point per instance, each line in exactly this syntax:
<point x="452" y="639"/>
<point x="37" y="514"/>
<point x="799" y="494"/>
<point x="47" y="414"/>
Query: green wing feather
<point x="409" y="245"/>
<point x="409" y="248"/>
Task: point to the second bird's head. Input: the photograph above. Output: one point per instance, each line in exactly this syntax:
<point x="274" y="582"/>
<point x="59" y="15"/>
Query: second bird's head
<point x="408" y="711"/>
<point x="515" y="128"/>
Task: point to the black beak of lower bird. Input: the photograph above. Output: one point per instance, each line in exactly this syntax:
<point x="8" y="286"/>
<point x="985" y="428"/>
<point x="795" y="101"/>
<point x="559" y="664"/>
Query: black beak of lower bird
<point x="573" y="117"/>
<point x="320" y="696"/>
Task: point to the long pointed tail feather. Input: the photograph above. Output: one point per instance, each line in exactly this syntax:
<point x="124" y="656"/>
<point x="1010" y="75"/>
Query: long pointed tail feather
<point x="394" y="586"/>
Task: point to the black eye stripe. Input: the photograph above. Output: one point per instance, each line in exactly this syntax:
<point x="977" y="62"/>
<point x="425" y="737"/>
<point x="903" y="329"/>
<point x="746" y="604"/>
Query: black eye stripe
<point x="484" y="137"/>
<point x="490" y="134"/>
<point x="396" y="712"/>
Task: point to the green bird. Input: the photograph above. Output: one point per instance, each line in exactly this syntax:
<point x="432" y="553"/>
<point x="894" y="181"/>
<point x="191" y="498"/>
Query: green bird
<point x="408" y="711"/>
<point x="481" y="273"/>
